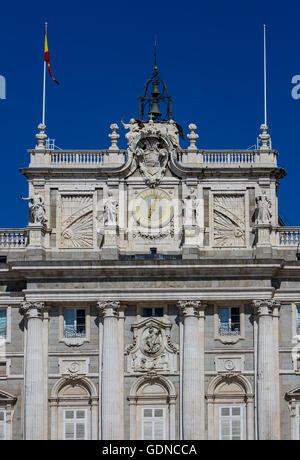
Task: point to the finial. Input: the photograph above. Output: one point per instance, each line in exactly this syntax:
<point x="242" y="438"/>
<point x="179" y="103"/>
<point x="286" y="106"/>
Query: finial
<point x="265" y="138"/>
<point x="41" y="137"/>
<point x="155" y="45"/>
<point x="114" y="136"/>
<point x="192" y="136"/>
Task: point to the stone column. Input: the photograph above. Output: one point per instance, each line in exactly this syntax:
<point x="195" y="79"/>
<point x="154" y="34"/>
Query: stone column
<point x="193" y="407"/>
<point x="34" y="372"/>
<point x="267" y="385"/>
<point x="111" y="391"/>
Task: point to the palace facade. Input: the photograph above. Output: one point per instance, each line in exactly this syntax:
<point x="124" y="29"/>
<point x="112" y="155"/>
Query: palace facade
<point x="154" y="294"/>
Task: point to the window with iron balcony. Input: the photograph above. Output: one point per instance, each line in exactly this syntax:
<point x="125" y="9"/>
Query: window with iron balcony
<point x="229" y="321"/>
<point x="74" y="322"/>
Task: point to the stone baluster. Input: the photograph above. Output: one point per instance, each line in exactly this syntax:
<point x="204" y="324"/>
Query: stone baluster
<point x="268" y="372"/>
<point x="111" y="391"/>
<point x="34" y="371"/>
<point x="193" y="402"/>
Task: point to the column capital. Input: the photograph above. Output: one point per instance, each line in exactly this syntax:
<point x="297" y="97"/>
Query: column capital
<point x="265" y="307"/>
<point x="108" y="308"/>
<point x="191" y="307"/>
<point x="32" y="309"/>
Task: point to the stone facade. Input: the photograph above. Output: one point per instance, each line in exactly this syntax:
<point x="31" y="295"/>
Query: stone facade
<point x="153" y="295"/>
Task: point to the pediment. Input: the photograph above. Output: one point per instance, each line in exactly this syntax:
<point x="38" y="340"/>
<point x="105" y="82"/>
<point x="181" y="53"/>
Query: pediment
<point x="7" y="397"/>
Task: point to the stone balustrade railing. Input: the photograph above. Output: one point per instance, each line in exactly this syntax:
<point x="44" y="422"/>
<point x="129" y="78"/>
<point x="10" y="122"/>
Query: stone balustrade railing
<point x="13" y="238"/>
<point x="229" y="158"/>
<point x="115" y="158"/>
<point x="288" y="236"/>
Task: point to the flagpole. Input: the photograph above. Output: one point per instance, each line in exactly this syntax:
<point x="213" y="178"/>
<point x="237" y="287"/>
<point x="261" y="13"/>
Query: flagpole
<point x="265" y="75"/>
<point x="44" y="82"/>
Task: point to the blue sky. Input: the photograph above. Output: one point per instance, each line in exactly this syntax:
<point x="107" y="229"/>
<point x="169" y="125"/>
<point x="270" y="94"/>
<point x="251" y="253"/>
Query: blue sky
<point x="209" y="53"/>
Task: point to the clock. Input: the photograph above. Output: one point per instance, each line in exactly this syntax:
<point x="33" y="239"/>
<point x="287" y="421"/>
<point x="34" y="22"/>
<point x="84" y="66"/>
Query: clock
<point x="153" y="208"/>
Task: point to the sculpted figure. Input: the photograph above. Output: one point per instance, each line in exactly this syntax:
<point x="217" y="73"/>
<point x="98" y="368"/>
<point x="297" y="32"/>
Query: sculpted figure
<point x="263" y="209"/>
<point x="37" y="209"/>
<point x="110" y="210"/>
<point x="133" y="128"/>
<point x="152" y="342"/>
<point x="191" y="204"/>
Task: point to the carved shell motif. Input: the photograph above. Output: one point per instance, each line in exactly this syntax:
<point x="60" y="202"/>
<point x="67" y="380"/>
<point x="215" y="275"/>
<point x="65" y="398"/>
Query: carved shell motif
<point x="229" y="221"/>
<point x="77" y="222"/>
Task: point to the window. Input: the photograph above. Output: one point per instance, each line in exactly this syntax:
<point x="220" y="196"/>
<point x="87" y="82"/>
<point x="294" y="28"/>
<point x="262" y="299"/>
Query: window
<point x="3" y="323"/>
<point x="2" y="425"/>
<point x="154" y="424"/>
<point x="74" y="322"/>
<point x="230" y="423"/>
<point x="154" y="312"/>
<point x="75" y="424"/>
<point x="229" y="321"/>
<point x="298" y="321"/>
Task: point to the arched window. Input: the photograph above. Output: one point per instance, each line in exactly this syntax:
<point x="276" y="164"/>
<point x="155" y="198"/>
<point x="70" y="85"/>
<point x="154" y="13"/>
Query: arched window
<point x="152" y="409"/>
<point x="74" y="410"/>
<point x="230" y="404"/>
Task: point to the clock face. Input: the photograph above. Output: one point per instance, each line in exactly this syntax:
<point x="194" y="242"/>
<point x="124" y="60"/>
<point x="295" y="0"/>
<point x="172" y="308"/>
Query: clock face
<point x="153" y="208"/>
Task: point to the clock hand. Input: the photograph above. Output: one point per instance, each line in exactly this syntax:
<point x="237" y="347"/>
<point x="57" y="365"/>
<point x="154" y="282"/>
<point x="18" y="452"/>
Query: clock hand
<point x="152" y="208"/>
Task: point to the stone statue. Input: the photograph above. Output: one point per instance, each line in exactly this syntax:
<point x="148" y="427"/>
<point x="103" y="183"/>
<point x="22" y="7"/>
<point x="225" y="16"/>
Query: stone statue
<point x="37" y="209"/>
<point x="191" y="204"/>
<point x="263" y="209"/>
<point x="172" y="133"/>
<point x="133" y="128"/>
<point x="110" y="210"/>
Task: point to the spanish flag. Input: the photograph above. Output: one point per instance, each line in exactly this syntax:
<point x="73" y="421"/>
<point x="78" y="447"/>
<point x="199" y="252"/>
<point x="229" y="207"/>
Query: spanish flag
<point x="46" y="57"/>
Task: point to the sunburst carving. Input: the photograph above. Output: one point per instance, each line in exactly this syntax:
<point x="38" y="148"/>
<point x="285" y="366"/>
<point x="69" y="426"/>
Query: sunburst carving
<point x="229" y="221"/>
<point x="77" y="221"/>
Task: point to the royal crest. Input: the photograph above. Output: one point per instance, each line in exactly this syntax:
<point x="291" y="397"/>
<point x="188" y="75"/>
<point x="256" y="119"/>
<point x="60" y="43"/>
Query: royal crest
<point x="152" y="157"/>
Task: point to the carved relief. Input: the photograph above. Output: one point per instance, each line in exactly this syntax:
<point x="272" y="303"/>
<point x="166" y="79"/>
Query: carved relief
<point x="229" y="220"/>
<point x="77" y="221"/>
<point x="72" y="368"/>
<point x="152" y="348"/>
<point x="152" y="156"/>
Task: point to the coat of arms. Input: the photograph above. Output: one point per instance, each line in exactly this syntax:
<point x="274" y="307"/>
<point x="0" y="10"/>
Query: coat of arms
<point x="152" y="156"/>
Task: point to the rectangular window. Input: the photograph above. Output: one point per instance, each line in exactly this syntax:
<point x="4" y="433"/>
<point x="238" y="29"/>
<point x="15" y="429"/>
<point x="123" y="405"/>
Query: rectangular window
<point x="152" y="312"/>
<point x="74" y="322"/>
<point x="230" y="423"/>
<point x="3" y="323"/>
<point x="2" y="425"/>
<point x="298" y="321"/>
<point x="229" y="321"/>
<point x="75" y="424"/>
<point x="153" y="424"/>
